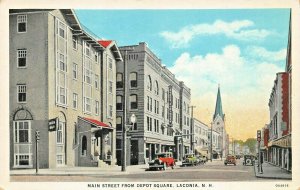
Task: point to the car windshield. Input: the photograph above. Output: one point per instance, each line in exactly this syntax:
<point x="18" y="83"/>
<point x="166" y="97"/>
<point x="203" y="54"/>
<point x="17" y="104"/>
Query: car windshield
<point x="161" y="155"/>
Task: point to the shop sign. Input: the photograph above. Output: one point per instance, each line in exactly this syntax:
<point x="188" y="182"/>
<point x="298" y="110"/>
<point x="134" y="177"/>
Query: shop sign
<point x="52" y="124"/>
<point x="284" y="142"/>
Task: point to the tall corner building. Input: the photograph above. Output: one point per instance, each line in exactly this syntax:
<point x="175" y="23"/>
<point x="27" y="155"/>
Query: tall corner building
<point x="62" y="90"/>
<point x="160" y="103"/>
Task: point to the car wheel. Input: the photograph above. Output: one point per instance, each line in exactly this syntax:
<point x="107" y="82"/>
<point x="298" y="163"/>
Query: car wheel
<point x="235" y="164"/>
<point x="248" y="161"/>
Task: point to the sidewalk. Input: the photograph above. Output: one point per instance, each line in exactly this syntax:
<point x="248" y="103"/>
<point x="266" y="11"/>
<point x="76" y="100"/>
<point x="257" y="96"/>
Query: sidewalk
<point x="272" y="172"/>
<point x="77" y="171"/>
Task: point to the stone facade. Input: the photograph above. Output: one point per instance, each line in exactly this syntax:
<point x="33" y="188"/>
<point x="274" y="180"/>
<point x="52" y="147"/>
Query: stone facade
<point x="156" y="97"/>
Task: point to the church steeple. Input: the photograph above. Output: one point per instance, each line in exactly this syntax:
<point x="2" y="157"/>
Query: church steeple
<point x="218" y="109"/>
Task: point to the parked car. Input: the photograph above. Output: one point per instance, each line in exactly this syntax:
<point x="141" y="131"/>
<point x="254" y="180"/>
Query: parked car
<point x="190" y="160"/>
<point x="162" y="161"/>
<point x="230" y="159"/>
<point x="249" y="160"/>
<point x="202" y="159"/>
<point x="238" y="156"/>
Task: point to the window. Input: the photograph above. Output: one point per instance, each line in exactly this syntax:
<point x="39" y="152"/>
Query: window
<point x="163" y="111"/>
<point x="119" y="105"/>
<point x="110" y="111"/>
<point x="96" y="57"/>
<point x="149" y="123"/>
<point x="97" y="107"/>
<point x="75" y="100"/>
<point x="61" y="30"/>
<point x="133" y="79"/>
<point x="187" y="121"/>
<point x="133" y="101"/>
<point x="87" y="50"/>
<point x="62" y="64"/>
<point x="157" y="107"/>
<point x="110" y="63"/>
<point x="150" y="106"/>
<point x="156" y="125"/>
<point x="96" y="81"/>
<point x="22" y="23"/>
<point x="119" y="124"/>
<point x="75" y="71"/>
<point x="60" y="133"/>
<point x="88" y="72"/>
<point x="156" y="89"/>
<point x="148" y="103"/>
<point x="74" y="39"/>
<point x="163" y="94"/>
<point x="110" y="86"/>
<point x="22" y="143"/>
<point x="149" y="83"/>
<point x="134" y="127"/>
<point x="62" y="95"/>
<point x="83" y="146"/>
<point x="22" y="54"/>
<point x="87" y="104"/>
<point x="119" y="83"/>
<point x="21" y="93"/>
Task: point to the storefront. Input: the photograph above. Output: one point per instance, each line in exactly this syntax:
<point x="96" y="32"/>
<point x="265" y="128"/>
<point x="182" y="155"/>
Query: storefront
<point x="279" y="152"/>
<point x="93" y="142"/>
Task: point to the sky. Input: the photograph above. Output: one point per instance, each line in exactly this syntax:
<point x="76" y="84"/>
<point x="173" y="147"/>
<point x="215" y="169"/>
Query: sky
<point x="239" y="49"/>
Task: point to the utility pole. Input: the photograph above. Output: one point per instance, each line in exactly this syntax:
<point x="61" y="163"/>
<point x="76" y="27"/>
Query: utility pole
<point x="211" y="146"/>
<point x="192" y="128"/>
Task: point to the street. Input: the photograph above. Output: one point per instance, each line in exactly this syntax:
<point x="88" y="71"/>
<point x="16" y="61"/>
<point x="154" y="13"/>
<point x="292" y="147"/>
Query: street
<point x="211" y="171"/>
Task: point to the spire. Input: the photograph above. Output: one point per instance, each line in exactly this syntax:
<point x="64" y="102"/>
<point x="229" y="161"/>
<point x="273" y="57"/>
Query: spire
<point x="218" y="109"/>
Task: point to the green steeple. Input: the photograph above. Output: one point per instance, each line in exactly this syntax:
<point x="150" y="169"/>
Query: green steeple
<point x="218" y="109"/>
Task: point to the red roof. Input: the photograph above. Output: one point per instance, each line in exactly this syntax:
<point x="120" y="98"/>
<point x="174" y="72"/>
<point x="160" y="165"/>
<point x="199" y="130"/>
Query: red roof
<point x="96" y="122"/>
<point x="104" y="43"/>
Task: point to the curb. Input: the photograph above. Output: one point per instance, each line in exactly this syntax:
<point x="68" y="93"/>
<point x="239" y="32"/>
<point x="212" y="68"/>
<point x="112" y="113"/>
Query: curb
<point x="269" y="177"/>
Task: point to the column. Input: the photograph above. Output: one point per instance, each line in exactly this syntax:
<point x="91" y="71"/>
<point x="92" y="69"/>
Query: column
<point x="150" y="150"/>
<point x="103" y="145"/>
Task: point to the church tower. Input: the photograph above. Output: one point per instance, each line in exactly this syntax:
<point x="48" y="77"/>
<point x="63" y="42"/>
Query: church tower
<point x="218" y="124"/>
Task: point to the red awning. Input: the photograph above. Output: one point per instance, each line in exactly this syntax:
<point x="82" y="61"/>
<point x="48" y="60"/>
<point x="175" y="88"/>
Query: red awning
<point x="96" y="123"/>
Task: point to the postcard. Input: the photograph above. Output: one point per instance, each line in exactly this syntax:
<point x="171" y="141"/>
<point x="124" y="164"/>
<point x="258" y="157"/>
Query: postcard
<point x="149" y="95"/>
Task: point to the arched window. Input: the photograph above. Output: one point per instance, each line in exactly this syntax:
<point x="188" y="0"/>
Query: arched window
<point x="83" y="146"/>
<point x="156" y="89"/>
<point x="119" y="105"/>
<point x="119" y="83"/>
<point x="149" y="83"/>
<point x="133" y="79"/>
<point x="133" y="101"/>
<point x="22" y="142"/>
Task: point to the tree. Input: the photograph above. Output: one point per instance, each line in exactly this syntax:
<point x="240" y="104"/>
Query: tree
<point x="251" y="143"/>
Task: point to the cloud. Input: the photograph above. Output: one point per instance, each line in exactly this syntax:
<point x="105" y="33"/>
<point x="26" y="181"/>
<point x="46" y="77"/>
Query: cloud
<point x="238" y="30"/>
<point x="245" y="83"/>
<point x="263" y="54"/>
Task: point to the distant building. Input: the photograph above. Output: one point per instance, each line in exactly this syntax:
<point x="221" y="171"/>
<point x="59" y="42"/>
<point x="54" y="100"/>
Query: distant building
<point x="201" y="138"/>
<point x="218" y="124"/>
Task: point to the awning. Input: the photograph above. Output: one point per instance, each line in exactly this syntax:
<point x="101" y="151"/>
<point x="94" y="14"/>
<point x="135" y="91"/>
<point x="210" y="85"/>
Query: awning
<point x="202" y="152"/>
<point x="284" y="142"/>
<point x="95" y="123"/>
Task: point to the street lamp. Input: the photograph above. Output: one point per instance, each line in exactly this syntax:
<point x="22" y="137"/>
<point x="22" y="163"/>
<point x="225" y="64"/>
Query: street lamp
<point x="125" y="129"/>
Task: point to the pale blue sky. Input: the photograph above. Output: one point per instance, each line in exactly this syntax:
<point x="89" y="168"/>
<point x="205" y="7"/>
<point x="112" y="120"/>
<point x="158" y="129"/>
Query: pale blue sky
<point x="241" y="49"/>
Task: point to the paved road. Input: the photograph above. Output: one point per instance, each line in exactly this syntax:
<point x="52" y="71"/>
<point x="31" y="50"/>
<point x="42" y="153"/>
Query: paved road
<point x="212" y="171"/>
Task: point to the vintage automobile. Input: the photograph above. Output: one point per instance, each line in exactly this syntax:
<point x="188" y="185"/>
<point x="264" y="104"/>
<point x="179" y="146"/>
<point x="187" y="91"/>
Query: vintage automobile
<point x="162" y="161"/>
<point x="230" y="159"/>
<point x="249" y="160"/>
<point x="190" y="160"/>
